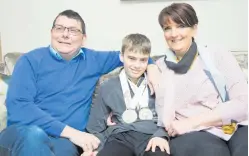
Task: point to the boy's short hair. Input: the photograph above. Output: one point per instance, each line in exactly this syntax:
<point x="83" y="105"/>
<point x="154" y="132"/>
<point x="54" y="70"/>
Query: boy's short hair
<point x="137" y="43"/>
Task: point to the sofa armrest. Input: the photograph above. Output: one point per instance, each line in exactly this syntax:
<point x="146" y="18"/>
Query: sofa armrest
<point x="10" y="60"/>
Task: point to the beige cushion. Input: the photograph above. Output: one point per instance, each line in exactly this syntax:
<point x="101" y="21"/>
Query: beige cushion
<point x="242" y="58"/>
<point x="3" y="92"/>
<point x="3" y="117"/>
<point x="10" y="61"/>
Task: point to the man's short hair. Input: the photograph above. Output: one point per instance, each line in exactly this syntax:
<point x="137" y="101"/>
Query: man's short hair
<point x="72" y="15"/>
<point x="137" y="43"/>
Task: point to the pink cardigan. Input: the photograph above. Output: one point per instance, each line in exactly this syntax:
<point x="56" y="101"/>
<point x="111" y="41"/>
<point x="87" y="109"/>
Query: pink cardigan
<point x="190" y="94"/>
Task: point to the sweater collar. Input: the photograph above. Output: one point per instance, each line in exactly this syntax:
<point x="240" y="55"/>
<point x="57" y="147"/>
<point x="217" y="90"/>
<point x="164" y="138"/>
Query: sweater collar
<point x="59" y="57"/>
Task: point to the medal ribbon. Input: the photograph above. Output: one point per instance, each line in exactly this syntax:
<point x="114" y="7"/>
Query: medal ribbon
<point x="140" y="97"/>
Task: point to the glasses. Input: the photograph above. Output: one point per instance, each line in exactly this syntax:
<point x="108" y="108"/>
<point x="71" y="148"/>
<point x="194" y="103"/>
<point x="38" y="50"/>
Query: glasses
<point x="71" y="30"/>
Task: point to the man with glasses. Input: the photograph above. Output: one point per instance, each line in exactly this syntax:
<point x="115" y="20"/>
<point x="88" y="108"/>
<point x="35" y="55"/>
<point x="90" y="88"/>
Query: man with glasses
<point x="50" y="93"/>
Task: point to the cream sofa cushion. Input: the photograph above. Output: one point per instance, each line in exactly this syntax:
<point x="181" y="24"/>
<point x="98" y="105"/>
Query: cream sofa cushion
<point x="3" y="91"/>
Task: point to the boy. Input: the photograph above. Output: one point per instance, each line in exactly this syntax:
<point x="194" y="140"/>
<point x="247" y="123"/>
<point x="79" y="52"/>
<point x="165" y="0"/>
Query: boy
<point x="127" y="97"/>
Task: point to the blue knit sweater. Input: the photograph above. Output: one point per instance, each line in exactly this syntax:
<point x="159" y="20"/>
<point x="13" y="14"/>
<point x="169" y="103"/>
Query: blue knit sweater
<point x="52" y="93"/>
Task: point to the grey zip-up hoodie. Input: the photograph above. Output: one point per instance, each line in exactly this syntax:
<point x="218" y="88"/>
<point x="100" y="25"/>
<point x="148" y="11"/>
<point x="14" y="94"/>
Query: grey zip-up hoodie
<point x="110" y="99"/>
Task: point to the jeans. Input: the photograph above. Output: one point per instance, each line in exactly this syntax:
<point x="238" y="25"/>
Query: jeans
<point x="33" y="141"/>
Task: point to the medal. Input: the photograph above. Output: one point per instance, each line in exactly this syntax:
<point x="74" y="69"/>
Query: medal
<point x="139" y="100"/>
<point x="129" y="116"/>
<point x="145" y="114"/>
<point x="229" y="129"/>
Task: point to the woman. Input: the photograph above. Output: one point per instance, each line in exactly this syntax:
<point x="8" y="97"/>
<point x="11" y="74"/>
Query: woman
<point x="208" y="97"/>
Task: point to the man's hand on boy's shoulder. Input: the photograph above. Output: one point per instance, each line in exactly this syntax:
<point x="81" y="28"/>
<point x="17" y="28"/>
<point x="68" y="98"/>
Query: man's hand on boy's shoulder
<point x="154" y="74"/>
<point x="159" y="142"/>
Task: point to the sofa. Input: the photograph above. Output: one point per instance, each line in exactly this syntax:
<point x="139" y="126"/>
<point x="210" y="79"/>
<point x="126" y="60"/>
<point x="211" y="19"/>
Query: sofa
<point x="6" y="69"/>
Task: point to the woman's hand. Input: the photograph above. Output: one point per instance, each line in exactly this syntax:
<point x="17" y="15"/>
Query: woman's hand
<point x="179" y="127"/>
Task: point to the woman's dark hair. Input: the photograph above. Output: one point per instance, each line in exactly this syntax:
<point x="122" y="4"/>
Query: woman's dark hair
<point x="180" y="13"/>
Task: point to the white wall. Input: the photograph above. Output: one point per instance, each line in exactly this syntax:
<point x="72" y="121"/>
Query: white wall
<point x="25" y="24"/>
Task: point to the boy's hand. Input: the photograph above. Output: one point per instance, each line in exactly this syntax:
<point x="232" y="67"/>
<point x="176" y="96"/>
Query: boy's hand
<point x="158" y="142"/>
<point x="109" y="120"/>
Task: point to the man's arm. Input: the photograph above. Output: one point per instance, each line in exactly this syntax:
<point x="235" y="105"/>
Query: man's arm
<point x="20" y="100"/>
<point x="109" y="60"/>
<point x="23" y="110"/>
